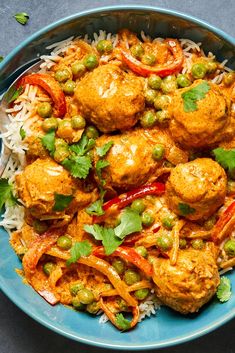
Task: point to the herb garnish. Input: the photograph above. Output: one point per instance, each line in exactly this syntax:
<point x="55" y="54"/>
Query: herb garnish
<point x="22" y="17"/>
<point x="191" y="96"/>
<point x="79" y="249"/>
<point x="61" y="201"/>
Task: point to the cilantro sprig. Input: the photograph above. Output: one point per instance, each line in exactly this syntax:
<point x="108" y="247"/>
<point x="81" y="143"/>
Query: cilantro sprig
<point x="130" y="222"/>
<point x="191" y="96"/>
<point x="101" y="164"/>
<point x="6" y="193"/>
<point x="185" y="209"/>
<point x="96" y="208"/>
<point x="226" y="158"/>
<point x="13" y="93"/>
<point x="122" y="323"/>
<point x="48" y="141"/>
<point x="79" y="249"/>
<point x="21" y="17"/>
<point x="61" y="201"/>
<point x="224" y="290"/>
<point x="103" y="150"/>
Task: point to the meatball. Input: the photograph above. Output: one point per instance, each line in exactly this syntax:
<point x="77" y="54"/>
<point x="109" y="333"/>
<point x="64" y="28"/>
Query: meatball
<point x="190" y="283"/>
<point x="39" y="182"/>
<point x="196" y="189"/>
<point x="210" y="123"/>
<point x="130" y="158"/>
<point x="110" y="98"/>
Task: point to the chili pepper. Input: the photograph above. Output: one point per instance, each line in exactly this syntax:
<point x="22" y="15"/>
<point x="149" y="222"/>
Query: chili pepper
<point x="130" y="255"/>
<point x="52" y="87"/>
<point x="163" y="70"/>
<point x="219" y="231"/>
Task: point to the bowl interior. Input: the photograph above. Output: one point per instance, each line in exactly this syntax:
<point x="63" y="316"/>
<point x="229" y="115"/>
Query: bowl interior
<point x="167" y="327"/>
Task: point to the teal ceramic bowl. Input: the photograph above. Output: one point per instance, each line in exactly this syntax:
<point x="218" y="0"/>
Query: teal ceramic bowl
<point x="167" y="327"/>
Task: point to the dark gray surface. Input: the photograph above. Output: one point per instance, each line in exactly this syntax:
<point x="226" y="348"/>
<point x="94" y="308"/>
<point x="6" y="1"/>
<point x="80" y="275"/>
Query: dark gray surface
<point x="18" y="332"/>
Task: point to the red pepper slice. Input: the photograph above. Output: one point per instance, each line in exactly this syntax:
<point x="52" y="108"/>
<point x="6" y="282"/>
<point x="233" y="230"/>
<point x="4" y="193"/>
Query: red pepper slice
<point x="222" y="222"/>
<point x="52" y="87"/>
<point x="127" y="198"/>
<point x="160" y="70"/>
<point x="130" y="255"/>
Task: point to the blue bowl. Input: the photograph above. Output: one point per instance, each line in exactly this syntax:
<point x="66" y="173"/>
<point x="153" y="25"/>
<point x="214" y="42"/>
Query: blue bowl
<point x="167" y="327"/>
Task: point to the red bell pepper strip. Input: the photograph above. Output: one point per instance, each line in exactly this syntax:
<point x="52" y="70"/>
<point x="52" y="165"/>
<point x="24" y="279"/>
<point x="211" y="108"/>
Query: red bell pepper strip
<point x="224" y="219"/>
<point x="163" y="70"/>
<point x="127" y="198"/>
<point x="130" y="255"/>
<point x="52" y="87"/>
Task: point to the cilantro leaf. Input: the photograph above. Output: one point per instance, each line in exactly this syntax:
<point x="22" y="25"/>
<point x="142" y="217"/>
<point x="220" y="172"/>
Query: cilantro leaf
<point x="130" y="223"/>
<point x="185" y="209"/>
<point x="103" y="150"/>
<point x="95" y="209"/>
<point x="48" y="141"/>
<point x="22" y="17"/>
<point x="224" y="290"/>
<point x="226" y="158"/>
<point x="22" y="133"/>
<point x="79" y="167"/>
<point x="83" y="146"/>
<point x="61" y="201"/>
<point x="1" y="58"/>
<point x="191" y="96"/>
<point x="102" y="163"/>
<point x="109" y="240"/>
<point x="6" y="194"/>
<point x="79" y="249"/>
<point x="122" y="323"/>
<point x="13" y="93"/>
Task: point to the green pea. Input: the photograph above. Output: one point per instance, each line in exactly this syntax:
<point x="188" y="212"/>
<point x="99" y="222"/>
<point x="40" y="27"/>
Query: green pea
<point x="141" y="250"/>
<point x="209" y="223"/>
<point x="161" y="102"/>
<point x="148" y="119"/>
<point x="168" y="221"/>
<point x="69" y="87"/>
<point x="148" y="59"/>
<point x="50" y="124"/>
<point x="78" y="69"/>
<point x="198" y="244"/>
<point x="199" y="70"/>
<point x="231" y="187"/>
<point x="138" y="205"/>
<point x="48" y="267"/>
<point x="62" y="75"/>
<point x="164" y="242"/>
<point x="169" y="85"/>
<point x="78" y="122"/>
<point x="130" y="277"/>
<point x="78" y="305"/>
<point x="92" y="132"/>
<point x="85" y="296"/>
<point x="104" y="46"/>
<point x="183" y="81"/>
<point x="158" y="152"/>
<point x="75" y="287"/>
<point x="141" y="294"/>
<point x="93" y="308"/>
<point x="60" y="154"/>
<point x="154" y="81"/>
<point x="162" y="117"/>
<point x="211" y="67"/>
<point x="229" y="247"/>
<point x="229" y="78"/>
<point x="44" y="109"/>
<point x="64" y="242"/>
<point x="182" y="243"/>
<point x="122" y="304"/>
<point x="119" y="266"/>
<point x="150" y="96"/>
<point x="61" y="143"/>
<point x="147" y="219"/>
<point x="137" y="50"/>
<point x="40" y="226"/>
<point x="91" y="61"/>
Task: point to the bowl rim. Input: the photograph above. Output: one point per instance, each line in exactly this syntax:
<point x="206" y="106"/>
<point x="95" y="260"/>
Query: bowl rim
<point x="15" y="298"/>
